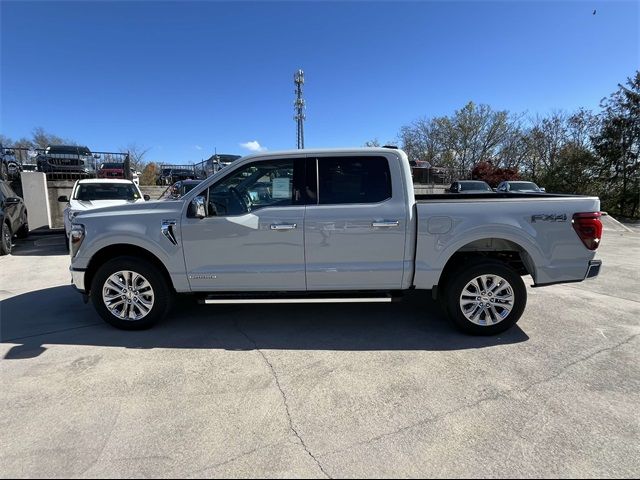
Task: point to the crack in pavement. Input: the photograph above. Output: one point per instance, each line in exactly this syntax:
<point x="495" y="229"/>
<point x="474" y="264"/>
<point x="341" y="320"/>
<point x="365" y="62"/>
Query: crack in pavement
<point x="284" y="399"/>
<point x="469" y="406"/>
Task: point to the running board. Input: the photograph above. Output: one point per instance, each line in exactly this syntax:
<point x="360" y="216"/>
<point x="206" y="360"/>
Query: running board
<point x="222" y="301"/>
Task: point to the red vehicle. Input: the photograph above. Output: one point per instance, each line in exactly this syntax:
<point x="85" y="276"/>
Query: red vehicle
<point x="111" y="170"/>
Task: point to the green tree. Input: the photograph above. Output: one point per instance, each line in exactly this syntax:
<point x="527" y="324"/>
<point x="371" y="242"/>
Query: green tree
<point x="618" y="145"/>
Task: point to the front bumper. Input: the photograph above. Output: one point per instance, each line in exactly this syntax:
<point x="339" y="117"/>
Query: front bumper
<point x="77" y="280"/>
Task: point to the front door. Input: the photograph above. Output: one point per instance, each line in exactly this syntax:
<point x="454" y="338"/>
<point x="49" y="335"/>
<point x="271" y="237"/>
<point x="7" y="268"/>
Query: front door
<point x="253" y="236"/>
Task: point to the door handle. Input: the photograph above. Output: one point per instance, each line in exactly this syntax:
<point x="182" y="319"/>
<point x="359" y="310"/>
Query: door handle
<point x="283" y="226"/>
<point x="386" y="224"/>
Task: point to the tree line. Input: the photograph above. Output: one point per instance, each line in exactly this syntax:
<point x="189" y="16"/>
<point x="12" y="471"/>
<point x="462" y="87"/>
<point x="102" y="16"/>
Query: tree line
<point x="580" y="152"/>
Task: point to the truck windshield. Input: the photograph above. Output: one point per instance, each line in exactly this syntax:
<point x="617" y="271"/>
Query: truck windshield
<point x="106" y="191"/>
<point x="112" y="166"/>
<point x="68" y="150"/>
<point x="466" y="186"/>
<point x="521" y="186"/>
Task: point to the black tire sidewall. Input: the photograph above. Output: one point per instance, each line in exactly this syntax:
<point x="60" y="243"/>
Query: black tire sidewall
<point x="487" y="267"/>
<point x="162" y="293"/>
<point x="24" y="229"/>
<point x="5" y="249"/>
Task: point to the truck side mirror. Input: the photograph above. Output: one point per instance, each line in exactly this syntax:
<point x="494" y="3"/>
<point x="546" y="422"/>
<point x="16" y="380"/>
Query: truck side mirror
<point x="542" y="189"/>
<point x="197" y="208"/>
<point x="63" y="198"/>
<point x="146" y="197"/>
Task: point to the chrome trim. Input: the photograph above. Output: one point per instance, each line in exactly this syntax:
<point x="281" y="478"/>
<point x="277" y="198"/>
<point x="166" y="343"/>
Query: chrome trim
<point x="487" y="300"/>
<point x="385" y="224"/>
<point x="300" y="300"/>
<point x="167" y="230"/>
<point x="128" y="295"/>
<point x="285" y="226"/>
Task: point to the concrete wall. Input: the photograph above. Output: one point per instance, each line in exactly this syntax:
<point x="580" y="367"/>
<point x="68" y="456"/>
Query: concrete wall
<point x="34" y="193"/>
<point x="153" y="191"/>
<point x="57" y="188"/>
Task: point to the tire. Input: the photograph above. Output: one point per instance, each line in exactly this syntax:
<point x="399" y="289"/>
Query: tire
<point x="23" y="231"/>
<point x="6" y="238"/>
<point x="485" y="283"/>
<point x="157" y="297"/>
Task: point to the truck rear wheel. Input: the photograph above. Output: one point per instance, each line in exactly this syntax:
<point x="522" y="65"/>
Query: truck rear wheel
<point x="130" y="293"/>
<point x="485" y="297"/>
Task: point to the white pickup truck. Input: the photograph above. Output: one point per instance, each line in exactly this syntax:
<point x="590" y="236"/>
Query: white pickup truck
<point x="331" y="226"/>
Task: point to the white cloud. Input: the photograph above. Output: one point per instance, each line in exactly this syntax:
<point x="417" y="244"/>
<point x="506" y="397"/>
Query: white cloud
<point x="253" y="146"/>
<point x="197" y="147"/>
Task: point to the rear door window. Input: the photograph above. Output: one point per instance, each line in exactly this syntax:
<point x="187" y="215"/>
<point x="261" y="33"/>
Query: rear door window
<point x="349" y="180"/>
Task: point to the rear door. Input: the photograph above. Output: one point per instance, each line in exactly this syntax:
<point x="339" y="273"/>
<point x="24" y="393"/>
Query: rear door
<point x="355" y="224"/>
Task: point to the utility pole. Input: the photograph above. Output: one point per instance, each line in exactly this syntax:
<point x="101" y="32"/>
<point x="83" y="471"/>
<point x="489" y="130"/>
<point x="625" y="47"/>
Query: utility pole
<point x="298" y="79"/>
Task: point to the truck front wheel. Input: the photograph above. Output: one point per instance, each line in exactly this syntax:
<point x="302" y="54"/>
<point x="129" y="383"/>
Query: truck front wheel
<point x="130" y="293"/>
<point x="485" y="297"/>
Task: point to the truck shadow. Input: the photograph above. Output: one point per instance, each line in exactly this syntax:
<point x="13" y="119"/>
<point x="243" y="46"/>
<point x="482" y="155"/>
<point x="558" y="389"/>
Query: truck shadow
<point x="57" y="316"/>
<point x="40" y="246"/>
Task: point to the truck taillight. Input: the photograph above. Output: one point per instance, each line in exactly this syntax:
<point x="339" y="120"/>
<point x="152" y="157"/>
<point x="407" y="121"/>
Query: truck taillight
<point x="589" y="228"/>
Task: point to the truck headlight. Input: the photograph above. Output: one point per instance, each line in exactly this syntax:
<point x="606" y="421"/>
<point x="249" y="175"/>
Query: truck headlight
<point x="71" y="215"/>
<point x="76" y="236"/>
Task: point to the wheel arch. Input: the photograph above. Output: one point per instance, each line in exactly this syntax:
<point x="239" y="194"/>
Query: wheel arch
<point x="111" y="252"/>
<point x="507" y="251"/>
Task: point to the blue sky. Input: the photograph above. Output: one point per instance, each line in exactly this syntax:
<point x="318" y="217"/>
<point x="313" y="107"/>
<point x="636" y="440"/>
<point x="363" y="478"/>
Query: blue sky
<point x="183" y="78"/>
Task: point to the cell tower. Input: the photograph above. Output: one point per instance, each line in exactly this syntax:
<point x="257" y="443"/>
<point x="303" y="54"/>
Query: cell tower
<point x="298" y="79"/>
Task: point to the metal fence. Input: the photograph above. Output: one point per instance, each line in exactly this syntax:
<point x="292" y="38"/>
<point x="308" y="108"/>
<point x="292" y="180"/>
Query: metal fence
<point x="58" y="165"/>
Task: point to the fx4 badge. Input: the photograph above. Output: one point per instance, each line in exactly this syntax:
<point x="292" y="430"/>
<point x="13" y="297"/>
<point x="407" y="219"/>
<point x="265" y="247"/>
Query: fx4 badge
<point x="549" y="217"/>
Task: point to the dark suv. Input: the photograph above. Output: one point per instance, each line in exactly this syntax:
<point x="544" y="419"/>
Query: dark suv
<point x="9" y="166"/>
<point x="66" y="159"/>
<point x="13" y="218"/>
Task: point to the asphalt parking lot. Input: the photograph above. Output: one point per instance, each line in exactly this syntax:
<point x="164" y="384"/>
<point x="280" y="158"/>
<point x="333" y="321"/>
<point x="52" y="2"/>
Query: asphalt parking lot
<point x="319" y="391"/>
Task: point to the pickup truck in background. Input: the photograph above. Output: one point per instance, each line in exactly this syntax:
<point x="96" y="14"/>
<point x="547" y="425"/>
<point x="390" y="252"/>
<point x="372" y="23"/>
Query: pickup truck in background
<point x="331" y="226"/>
<point x="111" y="170"/>
<point x="66" y="159"/>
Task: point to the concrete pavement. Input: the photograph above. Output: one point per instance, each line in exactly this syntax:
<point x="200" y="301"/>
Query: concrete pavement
<point x="319" y="391"/>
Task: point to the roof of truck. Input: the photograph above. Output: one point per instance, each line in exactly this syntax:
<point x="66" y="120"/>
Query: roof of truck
<point x="104" y="180"/>
<point x="324" y="151"/>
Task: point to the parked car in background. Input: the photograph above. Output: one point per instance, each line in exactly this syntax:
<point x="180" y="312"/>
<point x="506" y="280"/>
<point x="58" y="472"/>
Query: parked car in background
<point x="66" y="159"/>
<point x="90" y="194"/>
<point x="111" y="170"/>
<point x="524" y="187"/>
<point x="13" y="218"/>
<point x="9" y="166"/>
<point x="179" y="189"/>
<point x="470" y="186"/>
<point x="169" y="175"/>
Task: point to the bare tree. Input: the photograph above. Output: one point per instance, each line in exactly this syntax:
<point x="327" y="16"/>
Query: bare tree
<point x="136" y="155"/>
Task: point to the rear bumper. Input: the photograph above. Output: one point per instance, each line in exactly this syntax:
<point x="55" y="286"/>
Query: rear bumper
<point x="593" y="270"/>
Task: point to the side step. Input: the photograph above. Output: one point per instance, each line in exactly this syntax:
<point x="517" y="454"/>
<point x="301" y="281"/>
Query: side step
<point x="276" y="299"/>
